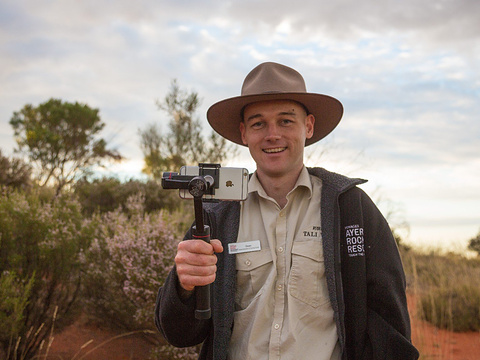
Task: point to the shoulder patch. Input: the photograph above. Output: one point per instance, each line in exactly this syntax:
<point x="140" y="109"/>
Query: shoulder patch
<point x="354" y="240"/>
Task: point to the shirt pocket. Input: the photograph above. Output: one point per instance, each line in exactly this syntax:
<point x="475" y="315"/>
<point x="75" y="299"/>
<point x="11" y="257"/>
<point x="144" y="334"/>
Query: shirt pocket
<point x="253" y="269"/>
<point x="307" y="281"/>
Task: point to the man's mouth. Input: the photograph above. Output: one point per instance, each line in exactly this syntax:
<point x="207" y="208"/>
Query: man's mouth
<point x="274" y="150"/>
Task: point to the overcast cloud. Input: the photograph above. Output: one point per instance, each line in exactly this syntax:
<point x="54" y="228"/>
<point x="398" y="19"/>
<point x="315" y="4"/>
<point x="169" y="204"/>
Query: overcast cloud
<point x="407" y="72"/>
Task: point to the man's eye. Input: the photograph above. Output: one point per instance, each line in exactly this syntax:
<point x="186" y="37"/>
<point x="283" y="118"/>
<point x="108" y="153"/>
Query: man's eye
<point x="257" y="124"/>
<point x="286" y="121"/>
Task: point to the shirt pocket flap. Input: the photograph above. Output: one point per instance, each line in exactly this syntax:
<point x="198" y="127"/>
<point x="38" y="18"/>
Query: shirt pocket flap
<point x="252" y="260"/>
<point x="309" y="249"/>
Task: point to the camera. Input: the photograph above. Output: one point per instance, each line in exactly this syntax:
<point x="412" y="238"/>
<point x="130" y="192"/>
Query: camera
<point x="228" y="183"/>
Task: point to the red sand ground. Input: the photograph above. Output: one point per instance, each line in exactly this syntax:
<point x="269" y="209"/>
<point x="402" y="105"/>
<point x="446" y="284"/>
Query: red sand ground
<point x="432" y="343"/>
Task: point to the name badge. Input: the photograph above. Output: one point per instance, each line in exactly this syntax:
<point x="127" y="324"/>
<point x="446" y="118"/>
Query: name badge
<point x="243" y="247"/>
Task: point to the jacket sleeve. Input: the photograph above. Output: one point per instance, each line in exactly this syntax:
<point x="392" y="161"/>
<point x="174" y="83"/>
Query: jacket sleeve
<point x="175" y="317"/>
<point x="387" y="333"/>
<point x="388" y="318"/>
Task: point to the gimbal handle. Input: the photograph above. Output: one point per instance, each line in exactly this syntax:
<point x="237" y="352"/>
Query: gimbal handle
<point x="198" y="186"/>
<point x="202" y="293"/>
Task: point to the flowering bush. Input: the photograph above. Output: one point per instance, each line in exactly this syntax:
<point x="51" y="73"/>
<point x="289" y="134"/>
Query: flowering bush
<point x="127" y="262"/>
<point x="129" y="258"/>
<point x="39" y="266"/>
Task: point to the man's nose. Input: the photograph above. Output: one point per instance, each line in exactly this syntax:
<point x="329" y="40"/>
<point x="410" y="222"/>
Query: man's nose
<point x="272" y="133"/>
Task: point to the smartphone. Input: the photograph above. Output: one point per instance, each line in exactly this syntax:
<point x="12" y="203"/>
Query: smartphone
<point x="232" y="183"/>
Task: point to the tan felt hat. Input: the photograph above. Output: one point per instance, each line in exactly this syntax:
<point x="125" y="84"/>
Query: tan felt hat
<point x="272" y="81"/>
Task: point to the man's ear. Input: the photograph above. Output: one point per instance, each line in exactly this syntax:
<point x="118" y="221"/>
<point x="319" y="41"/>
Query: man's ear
<point x="309" y="126"/>
<point x="241" y="127"/>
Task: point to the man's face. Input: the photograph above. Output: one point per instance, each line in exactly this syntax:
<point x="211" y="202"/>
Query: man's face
<point x="275" y="132"/>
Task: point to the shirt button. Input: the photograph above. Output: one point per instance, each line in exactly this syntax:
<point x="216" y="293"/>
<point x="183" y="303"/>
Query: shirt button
<point x="280" y="249"/>
<point x="276" y="326"/>
<point x="248" y="262"/>
<point x="279" y="287"/>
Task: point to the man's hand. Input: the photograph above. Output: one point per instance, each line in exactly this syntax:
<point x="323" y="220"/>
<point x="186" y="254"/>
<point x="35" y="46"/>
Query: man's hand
<point x="196" y="262"/>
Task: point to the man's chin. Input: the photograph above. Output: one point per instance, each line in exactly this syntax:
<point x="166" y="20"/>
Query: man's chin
<point x="273" y="171"/>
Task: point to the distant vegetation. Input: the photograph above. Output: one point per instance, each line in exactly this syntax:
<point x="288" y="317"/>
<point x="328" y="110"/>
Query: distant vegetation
<point x="474" y="244"/>
<point x="446" y="289"/>
<point x="71" y="243"/>
<point x="183" y="143"/>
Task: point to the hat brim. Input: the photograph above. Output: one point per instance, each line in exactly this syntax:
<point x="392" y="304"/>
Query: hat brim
<point x="225" y="116"/>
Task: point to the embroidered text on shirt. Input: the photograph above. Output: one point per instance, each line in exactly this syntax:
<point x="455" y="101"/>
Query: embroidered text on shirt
<point x="314" y="232"/>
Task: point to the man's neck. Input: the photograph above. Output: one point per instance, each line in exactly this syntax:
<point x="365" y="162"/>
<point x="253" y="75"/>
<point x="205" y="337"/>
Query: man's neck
<point x="278" y="187"/>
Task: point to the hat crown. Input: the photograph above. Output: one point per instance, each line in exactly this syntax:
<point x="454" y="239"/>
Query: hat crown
<point x="271" y="77"/>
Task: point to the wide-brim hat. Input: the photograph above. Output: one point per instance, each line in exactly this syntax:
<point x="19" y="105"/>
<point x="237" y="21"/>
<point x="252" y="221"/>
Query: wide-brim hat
<point x="272" y="81"/>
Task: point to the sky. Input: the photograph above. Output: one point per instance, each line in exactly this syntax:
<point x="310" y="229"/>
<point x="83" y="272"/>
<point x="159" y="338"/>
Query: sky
<point x="407" y="73"/>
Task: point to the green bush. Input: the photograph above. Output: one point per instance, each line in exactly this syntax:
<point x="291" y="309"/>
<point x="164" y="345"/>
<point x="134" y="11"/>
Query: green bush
<point x="15" y="173"/>
<point x="14" y="295"/>
<point x="456" y="308"/>
<point x="39" y="255"/>
<point x="447" y="289"/>
<point x="474" y="244"/>
<point x="108" y="194"/>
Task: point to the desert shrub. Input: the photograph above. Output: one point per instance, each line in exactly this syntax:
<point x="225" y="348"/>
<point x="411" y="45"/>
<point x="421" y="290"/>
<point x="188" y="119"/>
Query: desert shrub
<point x="39" y="257"/>
<point x="14" y="295"/>
<point x="447" y="289"/>
<point x="456" y="308"/>
<point x="474" y="244"/>
<point x="108" y="194"/>
<point x="14" y="173"/>
<point x="128" y="260"/>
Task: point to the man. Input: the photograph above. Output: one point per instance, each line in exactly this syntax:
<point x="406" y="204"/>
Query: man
<point x="325" y="280"/>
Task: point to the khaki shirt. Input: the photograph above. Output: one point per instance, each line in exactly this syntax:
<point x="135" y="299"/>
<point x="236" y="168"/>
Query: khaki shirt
<point x="282" y="305"/>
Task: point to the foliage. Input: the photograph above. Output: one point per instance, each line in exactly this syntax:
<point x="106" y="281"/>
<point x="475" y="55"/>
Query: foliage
<point x="184" y="144"/>
<point x="14" y="173"/>
<point x="447" y="289"/>
<point x="59" y="138"/>
<point x="128" y="260"/>
<point x="39" y="247"/>
<point x="14" y="295"/>
<point x="456" y="308"/>
<point x="107" y="194"/>
<point x="474" y="244"/>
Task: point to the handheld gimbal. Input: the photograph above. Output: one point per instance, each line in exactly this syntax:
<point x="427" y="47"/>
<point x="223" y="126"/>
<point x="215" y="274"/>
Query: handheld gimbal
<point x="197" y="186"/>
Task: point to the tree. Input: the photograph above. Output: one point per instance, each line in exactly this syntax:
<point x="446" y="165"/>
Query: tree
<point x="59" y="138"/>
<point x="184" y="144"/>
<point x="14" y="172"/>
<point x="474" y="244"/>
